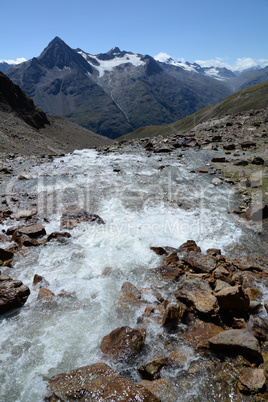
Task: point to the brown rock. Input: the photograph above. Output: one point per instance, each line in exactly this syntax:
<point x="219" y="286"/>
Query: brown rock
<point x="38" y="279"/>
<point x="266" y="305"/>
<point x="213" y="251"/>
<point x="123" y="343"/>
<point x="202" y="263"/>
<point x="258" y="326"/>
<point x="161" y="388"/>
<point x="151" y="370"/>
<point x="252" y="380"/>
<point x="58" y="236"/>
<point x="171" y="316"/>
<point x="129" y="296"/>
<point x="232" y="298"/>
<point x="73" y="216"/>
<point x="239" y="323"/>
<point x="257" y="160"/>
<point x="237" y="342"/>
<point x="168" y="273"/>
<point x="202" y="170"/>
<point x="189" y="246"/>
<point x="5" y="255"/>
<point x="97" y="382"/>
<point x="257" y="212"/>
<point x="200" y="332"/>
<point x="158" y="250"/>
<point x="197" y="292"/>
<point x="13" y="294"/>
<point x="45" y="294"/>
<point x="33" y="231"/>
<point x="219" y="159"/>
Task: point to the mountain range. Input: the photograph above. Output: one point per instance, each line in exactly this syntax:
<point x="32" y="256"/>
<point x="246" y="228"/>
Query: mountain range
<point x="117" y="92"/>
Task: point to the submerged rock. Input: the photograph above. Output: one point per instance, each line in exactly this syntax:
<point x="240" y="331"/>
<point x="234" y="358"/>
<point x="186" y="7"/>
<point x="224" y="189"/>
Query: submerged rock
<point x="123" y="343"/>
<point x="13" y="293"/>
<point x="73" y="216"/>
<point x="96" y="383"/>
<point x="237" y="342"/>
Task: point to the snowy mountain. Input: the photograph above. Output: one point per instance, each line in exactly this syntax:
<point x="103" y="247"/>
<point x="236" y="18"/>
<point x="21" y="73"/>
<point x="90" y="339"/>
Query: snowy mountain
<point x="117" y="92"/>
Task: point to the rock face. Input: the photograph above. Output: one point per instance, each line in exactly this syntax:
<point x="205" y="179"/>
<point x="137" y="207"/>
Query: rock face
<point x="13" y="99"/>
<point x="123" y="343"/>
<point x="197" y="292"/>
<point x="237" y="342"/>
<point x="13" y="294"/>
<point x="97" y="382"/>
<point x="73" y="216"/>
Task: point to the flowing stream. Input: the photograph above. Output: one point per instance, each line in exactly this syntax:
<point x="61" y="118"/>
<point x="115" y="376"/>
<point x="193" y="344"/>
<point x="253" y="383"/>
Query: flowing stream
<point x="143" y="204"/>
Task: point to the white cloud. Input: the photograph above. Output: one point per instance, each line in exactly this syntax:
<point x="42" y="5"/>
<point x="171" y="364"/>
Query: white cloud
<point x="18" y="61"/>
<point x="163" y="57"/>
<point x="241" y="64"/>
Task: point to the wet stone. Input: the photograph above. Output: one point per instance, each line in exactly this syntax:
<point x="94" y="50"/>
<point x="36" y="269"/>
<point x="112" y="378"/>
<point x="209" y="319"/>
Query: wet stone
<point x="95" y="383"/>
<point x="123" y="343"/>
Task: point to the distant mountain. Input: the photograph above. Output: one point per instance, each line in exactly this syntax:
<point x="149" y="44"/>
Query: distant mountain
<point x="255" y="98"/>
<point x="27" y="130"/>
<point x="4" y="66"/>
<point x="112" y="93"/>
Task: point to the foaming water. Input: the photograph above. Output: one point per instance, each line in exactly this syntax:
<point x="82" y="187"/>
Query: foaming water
<point x="142" y="206"/>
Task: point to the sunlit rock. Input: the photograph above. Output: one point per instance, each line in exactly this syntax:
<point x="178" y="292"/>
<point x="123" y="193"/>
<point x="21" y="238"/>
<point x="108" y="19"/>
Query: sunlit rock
<point x="123" y="343"/>
<point x="13" y="294"/>
<point x="97" y="382"/>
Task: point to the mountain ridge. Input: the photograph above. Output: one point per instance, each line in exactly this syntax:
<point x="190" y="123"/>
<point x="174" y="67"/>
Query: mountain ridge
<point x="111" y="93"/>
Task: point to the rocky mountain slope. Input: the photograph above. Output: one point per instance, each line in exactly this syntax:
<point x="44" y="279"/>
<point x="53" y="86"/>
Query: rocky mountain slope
<point x="255" y="98"/>
<point x="112" y="93"/>
<point x="26" y="130"/>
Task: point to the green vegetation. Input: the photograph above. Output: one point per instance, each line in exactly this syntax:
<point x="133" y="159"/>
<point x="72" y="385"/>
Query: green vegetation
<point x="250" y="98"/>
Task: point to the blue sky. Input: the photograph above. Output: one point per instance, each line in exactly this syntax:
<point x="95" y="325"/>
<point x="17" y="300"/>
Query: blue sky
<point x="221" y="31"/>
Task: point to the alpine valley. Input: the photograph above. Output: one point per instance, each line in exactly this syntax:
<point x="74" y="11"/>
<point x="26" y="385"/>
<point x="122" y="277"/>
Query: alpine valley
<point x="117" y="92"/>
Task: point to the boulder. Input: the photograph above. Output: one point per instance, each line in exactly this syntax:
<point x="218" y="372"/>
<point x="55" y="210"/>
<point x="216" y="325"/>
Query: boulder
<point x="97" y="382"/>
<point x="13" y="294"/>
<point x="45" y="294"/>
<point x="73" y="216"/>
<point x="202" y="263"/>
<point x="33" y="231"/>
<point x="123" y="343"/>
<point x="240" y="162"/>
<point x="167" y="273"/>
<point x="198" y="293"/>
<point x="232" y="298"/>
<point x="257" y="212"/>
<point x="237" y="342"/>
<point x="229" y="147"/>
<point x="252" y="380"/>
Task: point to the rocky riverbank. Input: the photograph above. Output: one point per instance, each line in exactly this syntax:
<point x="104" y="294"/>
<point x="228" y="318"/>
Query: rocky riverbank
<point x="203" y="300"/>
